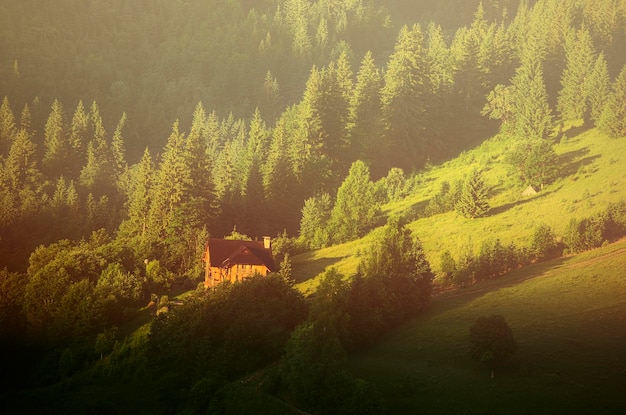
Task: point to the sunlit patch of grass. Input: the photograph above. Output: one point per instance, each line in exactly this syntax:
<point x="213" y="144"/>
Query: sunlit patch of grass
<point x="513" y="217"/>
<point x="567" y="316"/>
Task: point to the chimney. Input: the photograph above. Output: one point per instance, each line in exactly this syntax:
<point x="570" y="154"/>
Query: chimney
<point x="267" y="242"/>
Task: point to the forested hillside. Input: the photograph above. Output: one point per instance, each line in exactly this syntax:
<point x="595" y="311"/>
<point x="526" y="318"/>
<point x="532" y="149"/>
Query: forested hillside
<point x="130" y="132"/>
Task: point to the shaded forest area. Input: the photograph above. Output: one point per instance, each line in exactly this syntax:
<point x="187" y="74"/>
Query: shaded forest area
<point x="130" y="132"/>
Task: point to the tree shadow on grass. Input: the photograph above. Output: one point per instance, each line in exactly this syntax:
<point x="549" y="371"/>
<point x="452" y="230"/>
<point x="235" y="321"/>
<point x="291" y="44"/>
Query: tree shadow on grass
<point x="310" y="268"/>
<point x="572" y="161"/>
<point x="507" y="206"/>
<point x="575" y="131"/>
<point x="461" y="296"/>
<point x="417" y="211"/>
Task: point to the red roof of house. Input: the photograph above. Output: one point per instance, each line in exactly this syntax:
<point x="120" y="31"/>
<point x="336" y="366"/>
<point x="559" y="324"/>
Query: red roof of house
<point x="225" y="252"/>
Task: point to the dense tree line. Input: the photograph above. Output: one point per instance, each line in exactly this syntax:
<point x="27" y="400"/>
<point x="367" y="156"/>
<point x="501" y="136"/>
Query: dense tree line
<point x="396" y="116"/>
<point x="494" y="259"/>
<point x="344" y="104"/>
<point x="394" y="283"/>
<point x="422" y="104"/>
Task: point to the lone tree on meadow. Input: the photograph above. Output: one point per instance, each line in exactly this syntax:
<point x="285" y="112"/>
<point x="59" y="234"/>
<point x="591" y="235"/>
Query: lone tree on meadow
<point x="491" y="340"/>
<point x="473" y="201"/>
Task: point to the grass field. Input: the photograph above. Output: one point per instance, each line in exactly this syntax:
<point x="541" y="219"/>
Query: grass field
<point x="568" y="317"/>
<point x="591" y="177"/>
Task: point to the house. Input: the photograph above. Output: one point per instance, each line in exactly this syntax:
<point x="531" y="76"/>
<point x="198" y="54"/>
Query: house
<point x="234" y="260"/>
<point x="530" y="190"/>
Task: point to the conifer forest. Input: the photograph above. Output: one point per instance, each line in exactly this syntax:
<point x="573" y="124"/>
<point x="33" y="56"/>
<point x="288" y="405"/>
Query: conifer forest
<point x="131" y="132"/>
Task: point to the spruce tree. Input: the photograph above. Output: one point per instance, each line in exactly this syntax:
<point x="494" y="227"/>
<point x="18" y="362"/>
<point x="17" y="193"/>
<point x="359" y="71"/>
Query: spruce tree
<point x="118" y="152"/>
<point x="573" y="98"/>
<point x="365" y="123"/>
<point x="20" y="167"/>
<point x="26" y="118"/>
<point x="169" y="185"/>
<point x="7" y="127"/>
<point x="440" y="61"/>
<point x="355" y="206"/>
<point x="324" y="116"/>
<point x="531" y="111"/>
<point x="255" y="220"/>
<point x="613" y="119"/>
<point x="199" y="190"/>
<point x="307" y="147"/>
<point x="56" y="158"/>
<point x="473" y="201"/>
<point x="472" y="66"/>
<point x="271" y="97"/>
<point x="314" y="225"/>
<point x="279" y="181"/>
<point x="405" y="101"/>
<point x="599" y="89"/>
<point x="138" y="198"/>
<point x="78" y="138"/>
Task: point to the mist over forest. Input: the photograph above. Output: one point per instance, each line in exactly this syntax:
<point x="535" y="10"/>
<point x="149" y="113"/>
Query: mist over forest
<point x="131" y="132"/>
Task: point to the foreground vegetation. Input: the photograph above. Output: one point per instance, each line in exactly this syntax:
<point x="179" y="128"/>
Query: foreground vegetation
<point x="567" y="316"/>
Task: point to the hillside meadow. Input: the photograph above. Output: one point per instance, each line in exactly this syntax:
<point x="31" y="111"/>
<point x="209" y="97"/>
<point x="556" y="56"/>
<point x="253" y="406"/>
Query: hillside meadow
<point x="590" y="178"/>
<point x="567" y="316"/>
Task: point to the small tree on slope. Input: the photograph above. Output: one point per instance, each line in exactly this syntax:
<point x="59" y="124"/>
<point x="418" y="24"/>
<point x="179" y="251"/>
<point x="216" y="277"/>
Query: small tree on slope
<point x="473" y="201"/>
<point x="491" y="340"/>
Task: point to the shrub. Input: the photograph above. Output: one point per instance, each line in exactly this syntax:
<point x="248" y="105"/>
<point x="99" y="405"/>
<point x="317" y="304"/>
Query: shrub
<point x="447" y="266"/>
<point x="491" y="340"/>
<point x="616" y="221"/>
<point x="544" y="244"/>
<point x="585" y="234"/>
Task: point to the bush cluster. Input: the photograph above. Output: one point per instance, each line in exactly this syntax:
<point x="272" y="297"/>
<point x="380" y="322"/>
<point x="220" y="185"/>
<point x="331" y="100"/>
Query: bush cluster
<point x="588" y="233"/>
<point x="495" y="259"/>
<point x="394" y="283"/>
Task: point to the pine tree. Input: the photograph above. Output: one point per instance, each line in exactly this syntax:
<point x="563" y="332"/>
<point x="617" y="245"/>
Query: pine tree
<point x="167" y="191"/>
<point x="355" y="206"/>
<point x="471" y="62"/>
<point x="138" y="200"/>
<point x="279" y="181"/>
<point x="603" y="18"/>
<point x="405" y="101"/>
<point x="199" y="193"/>
<point x="297" y="14"/>
<point x="533" y="117"/>
<point x="573" y="98"/>
<point x="271" y="97"/>
<point x="599" y="89"/>
<point x="324" y="116"/>
<point x="255" y="221"/>
<point x="440" y="62"/>
<point x="613" y="119"/>
<point x="314" y="225"/>
<point x="78" y="137"/>
<point x="365" y="123"/>
<point x="25" y="118"/>
<point x="99" y="174"/>
<point x="56" y="159"/>
<point x="7" y="126"/>
<point x="473" y="201"/>
<point x="118" y="152"/>
<point x="20" y="168"/>
<point x="229" y="173"/>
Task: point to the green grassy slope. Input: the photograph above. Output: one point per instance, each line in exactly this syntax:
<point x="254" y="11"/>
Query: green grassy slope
<point x="568" y="317"/>
<point x="591" y="177"/>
